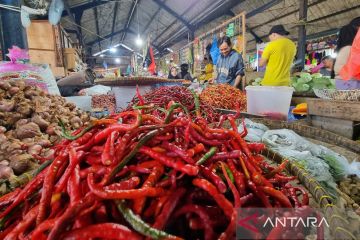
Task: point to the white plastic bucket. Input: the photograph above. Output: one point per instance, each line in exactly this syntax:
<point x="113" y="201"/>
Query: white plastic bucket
<point x="271" y="102"/>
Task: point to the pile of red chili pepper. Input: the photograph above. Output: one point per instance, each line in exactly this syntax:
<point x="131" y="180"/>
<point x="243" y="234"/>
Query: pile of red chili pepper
<point x="136" y="176"/>
<point x="161" y="97"/>
<point x="224" y="96"/>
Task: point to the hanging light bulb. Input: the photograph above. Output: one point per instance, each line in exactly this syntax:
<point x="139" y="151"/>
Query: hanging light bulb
<point x="113" y="50"/>
<point x="138" y="41"/>
<point x="102" y="55"/>
<point x="117" y="60"/>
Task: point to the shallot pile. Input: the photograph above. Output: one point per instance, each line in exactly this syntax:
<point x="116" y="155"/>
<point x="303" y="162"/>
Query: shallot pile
<point x="29" y="126"/>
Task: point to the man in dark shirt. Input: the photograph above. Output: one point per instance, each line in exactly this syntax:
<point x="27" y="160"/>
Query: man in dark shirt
<point x="230" y="65"/>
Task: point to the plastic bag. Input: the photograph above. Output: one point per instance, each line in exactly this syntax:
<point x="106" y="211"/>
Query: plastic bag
<point x="95" y="90"/>
<point x="214" y="51"/>
<point x="255" y="130"/>
<point x="55" y="11"/>
<point x="351" y="70"/>
<point x="283" y="140"/>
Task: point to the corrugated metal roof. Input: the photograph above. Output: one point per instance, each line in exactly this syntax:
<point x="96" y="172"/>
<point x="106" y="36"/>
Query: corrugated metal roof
<point x="167" y="30"/>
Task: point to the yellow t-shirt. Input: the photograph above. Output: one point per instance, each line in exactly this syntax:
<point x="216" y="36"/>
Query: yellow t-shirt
<point x="208" y="72"/>
<point x="280" y="54"/>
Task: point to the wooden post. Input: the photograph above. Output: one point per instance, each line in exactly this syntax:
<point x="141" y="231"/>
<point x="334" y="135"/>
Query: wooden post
<point x="302" y="32"/>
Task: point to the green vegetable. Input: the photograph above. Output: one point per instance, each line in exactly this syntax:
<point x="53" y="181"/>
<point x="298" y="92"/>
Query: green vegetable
<point x="207" y="155"/>
<point x="337" y="170"/>
<point x="139" y="225"/>
<point x="316" y="75"/>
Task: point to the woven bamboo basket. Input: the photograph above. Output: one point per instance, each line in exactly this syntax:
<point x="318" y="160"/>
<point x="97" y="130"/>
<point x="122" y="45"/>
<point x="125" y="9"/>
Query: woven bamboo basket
<point x="335" y="216"/>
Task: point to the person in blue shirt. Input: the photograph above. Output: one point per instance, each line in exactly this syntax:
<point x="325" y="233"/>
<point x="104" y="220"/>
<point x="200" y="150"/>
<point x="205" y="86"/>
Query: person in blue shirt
<point x="230" y="67"/>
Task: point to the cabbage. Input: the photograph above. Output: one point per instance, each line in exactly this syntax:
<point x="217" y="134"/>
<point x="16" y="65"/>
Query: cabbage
<point x="306" y="76"/>
<point x="316" y="75"/>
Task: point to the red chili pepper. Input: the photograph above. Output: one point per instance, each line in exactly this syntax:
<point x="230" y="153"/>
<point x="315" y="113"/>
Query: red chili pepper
<point x="29" y="219"/>
<point x="84" y="138"/>
<point x="141" y="100"/>
<point x="159" y="205"/>
<point x="234" y="191"/>
<point x="245" y="131"/>
<point x="260" y="194"/>
<point x="181" y="153"/>
<point x="130" y="183"/>
<point x="100" y="136"/>
<point x="256" y="147"/>
<point x="278" y="195"/>
<point x="280" y="178"/>
<point x="29" y="189"/>
<point x="279" y="169"/>
<point x="154" y="176"/>
<point x="178" y="165"/>
<point x="69" y="216"/>
<point x="220" y="199"/>
<point x="210" y="175"/>
<point x="102" y="230"/>
<point x="125" y="194"/>
<point x="10" y="197"/>
<point x="195" y="150"/>
<point x="38" y="233"/>
<point x="48" y="187"/>
<point x="168" y="208"/>
<point x="203" y="140"/>
<point x="230" y="230"/>
<point x="305" y="196"/>
<point x="107" y="156"/>
<point x="202" y="213"/>
<point x="75" y="158"/>
<point x="226" y="155"/>
<point x="73" y="186"/>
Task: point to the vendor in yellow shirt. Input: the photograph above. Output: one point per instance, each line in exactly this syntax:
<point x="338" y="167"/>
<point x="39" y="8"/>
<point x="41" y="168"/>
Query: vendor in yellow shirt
<point x="207" y="71"/>
<point x="277" y="56"/>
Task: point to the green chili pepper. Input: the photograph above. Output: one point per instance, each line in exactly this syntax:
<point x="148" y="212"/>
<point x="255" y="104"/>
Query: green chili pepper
<point x="229" y="173"/>
<point x="139" y="225"/>
<point x="24" y="178"/>
<point x="141" y="142"/>
<point x="171" y="110"/>
<point x="207" y="155"/>
<point x="197" y="103"/>
<point x="66" y="135"/>
<point x="143" y="107"/>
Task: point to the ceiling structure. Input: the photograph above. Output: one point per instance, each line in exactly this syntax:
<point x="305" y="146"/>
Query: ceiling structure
<point x="101" y="24"/>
